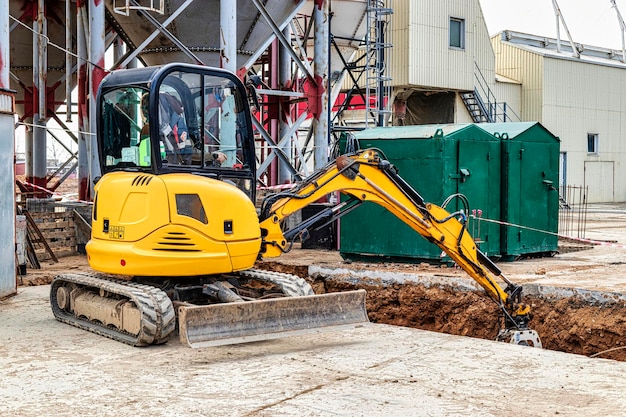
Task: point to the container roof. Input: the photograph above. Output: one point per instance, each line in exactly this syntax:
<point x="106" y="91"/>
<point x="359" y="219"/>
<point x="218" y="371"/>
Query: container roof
<point x="417" y="131"/>
<point x="516" y="129"/>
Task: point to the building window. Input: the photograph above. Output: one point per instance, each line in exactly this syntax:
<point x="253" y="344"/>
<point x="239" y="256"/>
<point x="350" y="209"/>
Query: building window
<point x="592" y="143"/>
<point x="457" y="33"/>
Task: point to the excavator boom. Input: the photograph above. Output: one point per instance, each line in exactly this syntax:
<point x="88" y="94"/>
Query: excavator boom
<point x="364" y="176"/>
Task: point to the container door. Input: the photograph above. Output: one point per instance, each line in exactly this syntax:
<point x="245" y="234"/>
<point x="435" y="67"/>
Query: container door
<point x="530" y="198"/>
<point x="511" y="237"/>
<point x="478" y="179"/>
<point x="539" y="197"/>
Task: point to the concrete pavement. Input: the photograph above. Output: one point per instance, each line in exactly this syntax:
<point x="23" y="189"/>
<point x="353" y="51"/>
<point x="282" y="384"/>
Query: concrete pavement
<point x="49" y="368"/>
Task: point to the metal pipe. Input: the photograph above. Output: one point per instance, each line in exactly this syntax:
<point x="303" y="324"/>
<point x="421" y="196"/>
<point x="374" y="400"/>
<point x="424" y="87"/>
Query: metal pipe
<point x="118" y="49"/>
<point x="380" y="68"/>
<point x="83" y="116"/>
<point x="38" y="144"/>
<point x="558" y="26"/>
<point x="43" y="55"/>
<point x="5" y="68"/>
<point x="228" y="35"/>
<point x="284" y="82"/>
<point x="8" y="242"/>
<point x="622" y="27"/>
<point x="96" y="74"/>
<point x="68" y="61"/>
<point x="28" y="149"/>
<point x="274" y="128"/>
<point x="320" y="60"/>
<point x="569" y="36"/>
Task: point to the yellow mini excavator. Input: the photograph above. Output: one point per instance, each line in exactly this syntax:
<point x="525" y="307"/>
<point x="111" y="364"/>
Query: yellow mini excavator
<point x="175" y="233"/>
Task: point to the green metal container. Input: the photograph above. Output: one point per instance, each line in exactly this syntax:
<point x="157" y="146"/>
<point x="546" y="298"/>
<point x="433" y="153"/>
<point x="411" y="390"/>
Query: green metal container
<point x="530" y="198"/>
<point x="438" y="161"/>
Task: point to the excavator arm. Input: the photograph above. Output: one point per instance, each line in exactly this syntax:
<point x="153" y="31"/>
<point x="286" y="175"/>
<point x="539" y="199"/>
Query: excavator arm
<point x="365" y="176"/>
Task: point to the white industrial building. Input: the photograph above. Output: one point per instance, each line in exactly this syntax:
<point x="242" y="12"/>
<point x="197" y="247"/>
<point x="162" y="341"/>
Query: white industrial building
<point x="579" y="96"/>
<point x="446" y="69"/>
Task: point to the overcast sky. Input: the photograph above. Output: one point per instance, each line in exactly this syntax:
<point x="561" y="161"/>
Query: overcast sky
<point x="591" y="22"/>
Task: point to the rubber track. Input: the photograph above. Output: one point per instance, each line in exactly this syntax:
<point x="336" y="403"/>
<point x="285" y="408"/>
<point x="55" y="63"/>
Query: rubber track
<point x="158" y="318"/>
<point x="291" y="285"/>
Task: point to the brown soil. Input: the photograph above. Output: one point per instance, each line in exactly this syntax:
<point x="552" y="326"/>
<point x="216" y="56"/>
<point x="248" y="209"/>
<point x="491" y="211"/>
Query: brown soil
<point x="568" y="325"/>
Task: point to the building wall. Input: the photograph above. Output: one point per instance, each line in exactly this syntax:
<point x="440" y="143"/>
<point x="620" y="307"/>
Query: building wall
<point x="527" y="68"/>
<point x="509" y="93"/>
<point x="431" y="61"/>
<point x="581" y="98"/>
<point x="403" y="53"/>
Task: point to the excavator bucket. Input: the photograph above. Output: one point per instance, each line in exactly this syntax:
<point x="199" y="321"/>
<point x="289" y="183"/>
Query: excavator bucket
<point x="231" y="323"/>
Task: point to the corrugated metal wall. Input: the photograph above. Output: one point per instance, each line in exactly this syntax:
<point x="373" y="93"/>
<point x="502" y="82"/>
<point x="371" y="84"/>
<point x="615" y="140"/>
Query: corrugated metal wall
<point x="432" y="62"/>
<point x="581" y="98"/>
<point x="400" y="28"/>
<point x="572" y="98"/>
<point x="527" y="68"/>
<point x="511" y="93"/>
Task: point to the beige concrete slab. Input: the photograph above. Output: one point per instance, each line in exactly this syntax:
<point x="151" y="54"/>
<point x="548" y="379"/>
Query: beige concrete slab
<point x="51" y="369"/>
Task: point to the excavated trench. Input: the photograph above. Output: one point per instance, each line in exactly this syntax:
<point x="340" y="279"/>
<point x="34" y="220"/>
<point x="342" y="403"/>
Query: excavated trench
<point x="572" y="324"/>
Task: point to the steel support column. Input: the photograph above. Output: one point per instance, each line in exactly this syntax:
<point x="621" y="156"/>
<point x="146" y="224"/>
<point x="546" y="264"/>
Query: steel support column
<point x="96" y="74"/>
<point x="82" y="29"/>
<point x="273" y="110"/>
<point x="320" y="59"/>
<point x="68" y="61"/>
<point x="284" y="83"/>
<point x="7" y="165"/>
<point x="39" y="145"/>
<point x="228" y="35"/>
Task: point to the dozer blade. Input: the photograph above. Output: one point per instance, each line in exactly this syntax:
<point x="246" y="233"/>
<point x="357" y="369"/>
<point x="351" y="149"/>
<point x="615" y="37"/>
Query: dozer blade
<point x="231" y="323"/>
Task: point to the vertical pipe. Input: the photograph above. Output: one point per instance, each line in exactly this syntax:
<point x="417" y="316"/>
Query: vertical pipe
<point x="622" y="29"/>
<point x="68" y="61"/>
<point x="284" y="81"/>
<point x="320" y="59"/>
<point x="4" y="46"/>
<point x="97" y="73"/>
<point x="7" y="166"/>
<point x="274" y="110"/>
<point x="558" y="26"/>
<point x="118" y="50"/>
<point x="43" y="57"/>
<point x="28" y="149"/>
<point x="82" y="27"/>
<point x="228" y="35"/>
<point x="380" y="67"/>
<point x="39" y="148"/>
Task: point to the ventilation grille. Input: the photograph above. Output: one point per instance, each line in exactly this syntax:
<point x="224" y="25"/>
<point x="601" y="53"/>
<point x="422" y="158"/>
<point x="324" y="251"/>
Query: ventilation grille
<point x="176" y="242"/>
<point x="142" y="180"/>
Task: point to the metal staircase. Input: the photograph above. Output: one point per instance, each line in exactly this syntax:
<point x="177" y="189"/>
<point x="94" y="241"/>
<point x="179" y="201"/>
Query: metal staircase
<point x="378" y="50"/>
<point x="487" y="109"/>
<point x="476" y="107"/>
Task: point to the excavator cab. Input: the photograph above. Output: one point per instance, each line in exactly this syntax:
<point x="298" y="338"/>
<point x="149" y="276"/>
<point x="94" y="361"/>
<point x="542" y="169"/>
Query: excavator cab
<point x="177" y="118"/>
